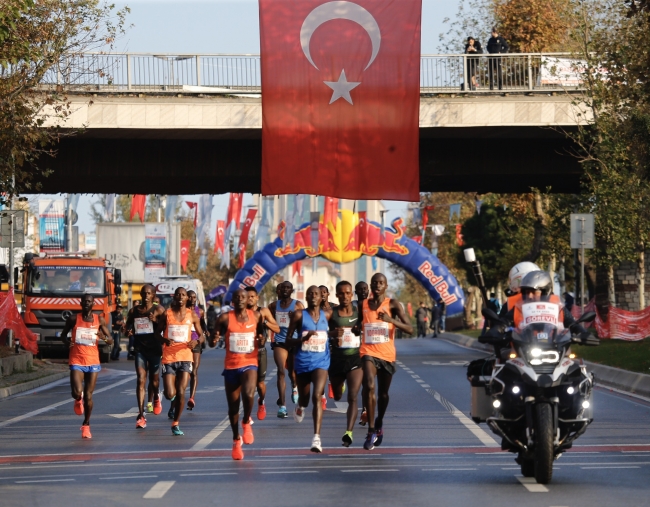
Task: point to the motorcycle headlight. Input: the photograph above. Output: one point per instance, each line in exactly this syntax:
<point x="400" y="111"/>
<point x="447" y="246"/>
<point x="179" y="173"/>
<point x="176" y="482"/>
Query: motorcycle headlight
<point x="539" y="356"/>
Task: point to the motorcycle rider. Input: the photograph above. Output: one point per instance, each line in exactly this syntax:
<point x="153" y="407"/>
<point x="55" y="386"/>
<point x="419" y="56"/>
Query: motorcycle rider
<point x="515" y="276"/>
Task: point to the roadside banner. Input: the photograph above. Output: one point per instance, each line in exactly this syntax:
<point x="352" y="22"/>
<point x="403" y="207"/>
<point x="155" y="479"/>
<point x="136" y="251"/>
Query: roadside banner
<point x="155" y="251"/>
<point x="51" y="215"/>
<point x="10" y="319"/>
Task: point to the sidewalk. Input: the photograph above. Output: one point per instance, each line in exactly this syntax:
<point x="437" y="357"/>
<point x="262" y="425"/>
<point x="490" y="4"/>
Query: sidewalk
<point x="41" y="373"/>
<point x="615" y="378"/>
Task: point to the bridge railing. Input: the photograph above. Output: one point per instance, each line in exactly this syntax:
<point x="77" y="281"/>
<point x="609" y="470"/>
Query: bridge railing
<point x="231" y="73"/>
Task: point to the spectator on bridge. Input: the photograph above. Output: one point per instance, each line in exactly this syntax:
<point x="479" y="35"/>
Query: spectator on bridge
<point x="496" y="45"/>
<point x="473" y="47"/>
<point x="422" y="317"/>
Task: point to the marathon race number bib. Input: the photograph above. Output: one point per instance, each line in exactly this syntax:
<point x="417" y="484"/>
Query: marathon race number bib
<point x="283" y="319"/>
<point x="178" y="334"/>
<point x="86" y="336"/>
<point x="241" y="343"/>
<point x="375" y="333"/>
<point x="349" y="340"/>
<point x="316" y="343"/>
<point x="540" y="313"/>
<point x="143" y="325"/>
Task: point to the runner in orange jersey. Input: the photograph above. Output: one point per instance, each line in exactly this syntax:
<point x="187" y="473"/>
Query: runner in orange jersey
<point x="380" y="318"/>
<point x="86" y="328"/>
<point x="175" y="326"/>
<point x="243" y="330"/>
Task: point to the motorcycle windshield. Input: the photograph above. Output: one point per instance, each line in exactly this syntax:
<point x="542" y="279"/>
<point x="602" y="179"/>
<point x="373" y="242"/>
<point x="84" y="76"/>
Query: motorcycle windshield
<point x="539" y="323"/>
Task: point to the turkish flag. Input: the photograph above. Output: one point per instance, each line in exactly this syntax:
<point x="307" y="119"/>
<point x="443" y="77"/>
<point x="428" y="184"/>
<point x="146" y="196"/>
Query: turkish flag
<point x="243" y="240"/>
<point x="331" y="211"/>
<point x="341" y="98"/>
<point x="234" y="210"/>
<point x="219" y="236"/>
<point x="138" y="205"/>
<point x="193" y="206"/>
<point x="363" y="229"/>
<point x="185" y="253"/>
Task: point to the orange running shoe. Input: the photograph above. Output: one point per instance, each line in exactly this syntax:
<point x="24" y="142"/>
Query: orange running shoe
<point x="85" y="432"/>
<point x="261" y="412"/>
<point x="363" y="420"/>
<point x="190" y="404"/>
<point x="330" y="392"/>
<point x="248" y="433"/>
<point x="141" y="423"/>
<point x="157" y="405"/>
<point x="323" y="401"/>
<point x="79" y="405"/>
<point x="237" y="451"/>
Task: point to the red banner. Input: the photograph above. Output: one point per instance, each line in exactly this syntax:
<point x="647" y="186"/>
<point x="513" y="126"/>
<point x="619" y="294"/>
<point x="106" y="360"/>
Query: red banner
<point x="194" y="206"/>
<point x="341" y="98"/>
<point x="363" y="228"/>
<point x="219" y="237"/>
<point x="185" y="253"/>
<point x="330" y="211"/>
<point x="409" y="307"/>
<point x="10" y="319"/>
<point x="138" y="206"/>
<point x="297" y="268"/>
<point x="459" y="235"/>
<point x="234" y="210"/>
<point x="243" y="240"/>
<point x="620" y="325"/>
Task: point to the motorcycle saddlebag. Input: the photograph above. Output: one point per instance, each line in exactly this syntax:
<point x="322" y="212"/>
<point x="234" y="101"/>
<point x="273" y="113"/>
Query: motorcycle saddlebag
<point x="479" y="373"/>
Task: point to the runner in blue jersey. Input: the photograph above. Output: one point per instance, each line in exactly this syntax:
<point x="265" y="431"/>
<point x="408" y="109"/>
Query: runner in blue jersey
<point x="312" y="358"/>
<point x="282" y="311"/>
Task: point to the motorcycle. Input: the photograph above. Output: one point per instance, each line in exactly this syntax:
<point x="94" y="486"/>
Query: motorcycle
<point x="534" y="393"/>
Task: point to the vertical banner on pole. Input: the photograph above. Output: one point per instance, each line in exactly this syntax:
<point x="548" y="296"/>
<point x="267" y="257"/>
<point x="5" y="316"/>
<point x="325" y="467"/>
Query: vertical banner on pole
<point x="155" y="251"/>
<point x="51" y="225"/>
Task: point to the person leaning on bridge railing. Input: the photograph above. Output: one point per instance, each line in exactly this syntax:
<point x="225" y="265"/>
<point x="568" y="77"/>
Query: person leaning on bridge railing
<point x="496" y="45"/>
<point x="473" y="47"/>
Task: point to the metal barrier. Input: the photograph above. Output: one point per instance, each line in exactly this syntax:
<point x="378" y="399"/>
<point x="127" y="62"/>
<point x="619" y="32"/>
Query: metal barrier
<point x="223" y="73"/>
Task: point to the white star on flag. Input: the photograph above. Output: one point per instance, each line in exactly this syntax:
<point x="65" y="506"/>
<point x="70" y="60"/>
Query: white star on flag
<point x="341" y="88"/>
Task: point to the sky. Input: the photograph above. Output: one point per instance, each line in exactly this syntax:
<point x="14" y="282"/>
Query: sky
<point x="224" y="26"/>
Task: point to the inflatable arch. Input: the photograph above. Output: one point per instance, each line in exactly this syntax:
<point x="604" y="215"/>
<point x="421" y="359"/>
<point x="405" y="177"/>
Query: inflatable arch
<point x="349" y="240"/>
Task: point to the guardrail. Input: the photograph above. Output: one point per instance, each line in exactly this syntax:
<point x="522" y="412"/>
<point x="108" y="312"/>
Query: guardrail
<point x="230" y="73"/>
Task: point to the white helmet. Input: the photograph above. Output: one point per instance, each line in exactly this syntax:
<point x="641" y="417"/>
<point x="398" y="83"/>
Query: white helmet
<point x="518" y="271"/>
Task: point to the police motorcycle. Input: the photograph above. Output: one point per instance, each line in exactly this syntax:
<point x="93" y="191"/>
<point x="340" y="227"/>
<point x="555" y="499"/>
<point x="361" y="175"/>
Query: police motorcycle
<point x="534" y="393"/>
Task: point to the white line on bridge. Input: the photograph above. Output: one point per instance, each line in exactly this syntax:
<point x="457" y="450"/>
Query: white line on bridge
<point x="159" y="489"/>
<point x="44" y="480"/>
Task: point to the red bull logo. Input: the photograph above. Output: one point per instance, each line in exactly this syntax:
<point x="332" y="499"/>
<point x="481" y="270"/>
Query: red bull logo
<point x="351" y="237"/>
<point x="252" y="280"/>
<point x="438" y="282"/>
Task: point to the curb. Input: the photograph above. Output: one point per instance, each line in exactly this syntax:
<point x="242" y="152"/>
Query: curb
<point x="608" y="376"/>
<point x="5" y="392"/>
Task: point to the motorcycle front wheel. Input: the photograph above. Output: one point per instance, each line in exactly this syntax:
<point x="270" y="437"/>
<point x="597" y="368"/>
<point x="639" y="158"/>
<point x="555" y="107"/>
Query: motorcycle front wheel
<point x="543" y="443"/>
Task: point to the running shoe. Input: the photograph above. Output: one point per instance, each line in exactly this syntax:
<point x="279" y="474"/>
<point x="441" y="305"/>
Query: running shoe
<point x="176" y="431"/>
<point x="140" y="423"/>
<point x="330" y="391"/>
<point x="347" y="439"/>
<point x="79" y="405"/>
<point x="261" y="411"/>
<point x="149" y="408"/>
<point x="369" y="444"/>
<point x="363" y="420"/>
<point x="316" y="445"/>
<point x="85" y="431"/>
<point x="380" y="436"/>
<point x="190" y="404"/>
<point x="237" y="451"/>
<point x="248" y="436"/>
<point x="282" y="413"/>
<point x="171" y="414"/>
<point x="323" y="402"/>
<point x="298" y="414"/>
<point x="157" y="406"/>
<point x="294" y="395"/>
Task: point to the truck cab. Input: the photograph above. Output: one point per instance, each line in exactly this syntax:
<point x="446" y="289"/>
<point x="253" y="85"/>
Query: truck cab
<point x="52" y="288"/>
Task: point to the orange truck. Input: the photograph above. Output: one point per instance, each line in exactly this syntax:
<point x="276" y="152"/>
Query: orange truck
<point x="52" y="288"/>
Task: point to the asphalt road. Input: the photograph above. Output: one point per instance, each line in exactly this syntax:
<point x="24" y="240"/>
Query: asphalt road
<point x="432" y="453"/>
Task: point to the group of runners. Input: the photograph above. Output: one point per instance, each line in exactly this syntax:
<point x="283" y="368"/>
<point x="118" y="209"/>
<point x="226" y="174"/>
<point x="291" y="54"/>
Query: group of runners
<point x="352" y="343"/>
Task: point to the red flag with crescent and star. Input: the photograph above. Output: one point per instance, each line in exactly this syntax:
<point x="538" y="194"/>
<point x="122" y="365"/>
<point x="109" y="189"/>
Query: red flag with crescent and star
<point x="185" y="253"/>
<point x="341" y="98"/>
<point x="243" y="240"/>
<point x="219" y="237"/>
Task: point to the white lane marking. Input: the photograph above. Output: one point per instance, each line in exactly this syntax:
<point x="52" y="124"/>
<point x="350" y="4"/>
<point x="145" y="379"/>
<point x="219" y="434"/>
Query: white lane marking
<point x="485" y="439"/>
<point x="372" y="470"/>
<point x="135" y="459"/>
<point x="531" y="485"/>
<point x="128" y="413"/>
<point x="450" y="363"/>
<point x="55" y="405"/>
<point x="446" y="469"/>
<point x="159" y="489"/>
<point x="208" y="473"/>
<point x="425" y="385"/>
<point x="44" y="480"/>
<point x="415" y="376"/>
<point x="607" y="468"/>
<point x="213" y="434"/>
<point x="341" y="407"/>
<point x="73" y="462"/>
<point x="419" y="381"/>
<point x="128" y="477"/>
<point x="292" y="472"/>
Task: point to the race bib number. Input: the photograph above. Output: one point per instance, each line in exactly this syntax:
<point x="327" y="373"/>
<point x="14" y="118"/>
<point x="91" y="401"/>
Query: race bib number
<point x="86" y="336"/>
<point x="316" y="343"/>
<point x="375" y="333"/>
<point x="349" y="340"/>
<point x="143" y="325"/>
<point x="540" y="313"/>
<point x="283" y="319"/>
<point x="241" y="343"/>
<point x="178" y="334"/>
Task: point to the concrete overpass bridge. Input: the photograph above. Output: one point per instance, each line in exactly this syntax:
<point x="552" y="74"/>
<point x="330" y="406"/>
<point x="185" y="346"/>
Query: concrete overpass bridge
<point x="182" y="130"/>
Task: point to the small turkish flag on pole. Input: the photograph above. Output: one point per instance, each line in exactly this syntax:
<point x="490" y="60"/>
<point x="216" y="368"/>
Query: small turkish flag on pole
<point x="185" y="253"/>
<point x="193" y="206"/>
<point x="219" y="237"/>
<point x="243" y="240"/>
<point x="341" y="98"/>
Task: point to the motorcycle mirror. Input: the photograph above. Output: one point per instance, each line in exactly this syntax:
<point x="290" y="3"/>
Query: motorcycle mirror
<point x="587" y="317"/>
